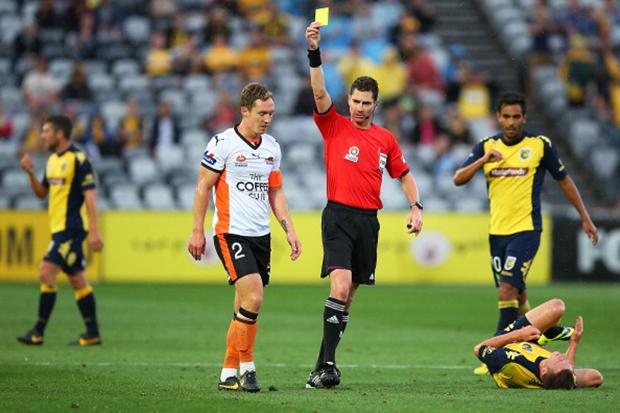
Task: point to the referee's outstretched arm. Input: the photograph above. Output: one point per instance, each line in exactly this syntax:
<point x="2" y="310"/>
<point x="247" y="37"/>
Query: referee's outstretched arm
<point x="322" y="100"/>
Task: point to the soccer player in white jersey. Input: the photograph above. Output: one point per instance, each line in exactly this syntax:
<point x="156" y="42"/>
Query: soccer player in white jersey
<point x="243" y="165"/>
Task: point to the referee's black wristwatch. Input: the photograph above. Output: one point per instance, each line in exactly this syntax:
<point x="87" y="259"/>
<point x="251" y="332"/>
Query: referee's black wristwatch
<point x="416" y="204"/>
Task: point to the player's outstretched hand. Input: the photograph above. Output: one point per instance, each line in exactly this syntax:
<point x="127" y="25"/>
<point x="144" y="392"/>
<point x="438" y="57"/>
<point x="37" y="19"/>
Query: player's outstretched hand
<point x="493" y="156"/>
<point x="529" y="333"/>
<point x="590" y="230"/>
<point x="196" y="245"/>
<point x="295" y="244"/>
<point x="414" y="223"/>
<point x="578" y="330"/>
<point x="313" y="35"/>
<point x="95" y="240"/>
<point x="26" y="164"/>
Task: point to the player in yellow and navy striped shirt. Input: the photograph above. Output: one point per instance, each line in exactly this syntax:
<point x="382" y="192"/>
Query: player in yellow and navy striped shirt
<point x="514" y="163"/>
<point x="70" y="183"/>
<point x="516" y="361"/>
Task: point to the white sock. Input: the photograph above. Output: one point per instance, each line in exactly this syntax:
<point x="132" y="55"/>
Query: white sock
<point x="227" y="372"/>
<point x="249" y="366"/>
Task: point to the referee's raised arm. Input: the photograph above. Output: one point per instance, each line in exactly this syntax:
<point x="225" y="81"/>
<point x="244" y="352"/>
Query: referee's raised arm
<point x="322" y="100"/>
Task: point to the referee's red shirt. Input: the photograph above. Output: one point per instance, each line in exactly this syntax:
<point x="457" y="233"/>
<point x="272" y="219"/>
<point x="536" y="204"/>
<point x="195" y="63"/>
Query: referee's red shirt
<point x="355" y="159"/>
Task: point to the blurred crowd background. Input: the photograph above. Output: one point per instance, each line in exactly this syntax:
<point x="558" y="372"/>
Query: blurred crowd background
<point x="147" y="83"/>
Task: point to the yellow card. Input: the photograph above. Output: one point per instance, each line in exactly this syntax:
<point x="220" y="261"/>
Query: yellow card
<point x="322" y="16"/>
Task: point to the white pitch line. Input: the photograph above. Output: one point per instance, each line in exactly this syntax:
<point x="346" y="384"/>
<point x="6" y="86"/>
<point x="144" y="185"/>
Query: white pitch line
<point x="278" y="365"/>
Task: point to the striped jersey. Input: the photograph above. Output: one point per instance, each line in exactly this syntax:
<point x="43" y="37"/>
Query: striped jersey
<point x="516" y="365"/>
<point x="247" y="172"/>
<point x="68" y="175"/>
<point x="514" y="183"/>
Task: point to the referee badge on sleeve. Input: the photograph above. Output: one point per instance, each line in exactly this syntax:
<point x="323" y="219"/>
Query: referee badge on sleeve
<point x="382" y="161"/>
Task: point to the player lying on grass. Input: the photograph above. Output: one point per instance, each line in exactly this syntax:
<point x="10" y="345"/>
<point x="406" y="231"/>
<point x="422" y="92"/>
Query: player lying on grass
<point x="516" y="361"/>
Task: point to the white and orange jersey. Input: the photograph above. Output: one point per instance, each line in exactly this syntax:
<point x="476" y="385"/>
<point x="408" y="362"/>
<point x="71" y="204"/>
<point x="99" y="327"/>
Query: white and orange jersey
<point x="248" y="171"/>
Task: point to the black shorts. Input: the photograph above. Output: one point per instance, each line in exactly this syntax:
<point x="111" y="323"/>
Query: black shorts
<point x="243" y="255"/>
<point x="512" y="257"/>
<point x="66" y="251"/>
<point x="350" y="236"/>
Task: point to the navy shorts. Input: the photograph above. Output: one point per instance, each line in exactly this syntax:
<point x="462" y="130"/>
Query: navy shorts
<point x="66" y="251"/>
<point x="243" y="255"/>
<point x="350" y="237"/>
<point x="512" y="257"/>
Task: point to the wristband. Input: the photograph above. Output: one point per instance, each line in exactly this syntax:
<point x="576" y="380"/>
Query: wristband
<point x="314" y="56"/>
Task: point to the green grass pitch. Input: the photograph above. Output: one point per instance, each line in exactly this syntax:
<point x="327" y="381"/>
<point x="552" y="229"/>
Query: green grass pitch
<point x="407" y="348"/>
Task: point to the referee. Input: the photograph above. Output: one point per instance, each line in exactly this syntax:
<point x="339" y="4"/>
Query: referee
<point x="356" y="153"/>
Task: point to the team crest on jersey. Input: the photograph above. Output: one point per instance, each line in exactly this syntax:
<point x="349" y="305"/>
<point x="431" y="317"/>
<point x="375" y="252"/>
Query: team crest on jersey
<point x="241" y="160"/>
<point x="352" y="156"/>
<point x="527" y="347"/>
<point x="63" y="166"/>
<point x="269" y="160"/>
<point x="510" y="263"/>
<point x="525" y="153"/>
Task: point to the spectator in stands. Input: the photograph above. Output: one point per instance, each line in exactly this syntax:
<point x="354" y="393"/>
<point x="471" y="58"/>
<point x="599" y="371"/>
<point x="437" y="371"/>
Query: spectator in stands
<point x="406" y="25"/>
<point x="274" y="25"/>
<point x="255" y="58"/>
<point x="542" y="28"/>
<point x="40" y="88"/>
<point x="85" y="44"/>
<point x="73" y="14"/>
<point x="475" y="95"/>
<point x="225" y="114"/>
<point x="444" y="165"/>
<point x="130" y="132"/>
<point x="427" y="127"/>
<point x="423" y="13"/>
<point x="102" y="135"/>
<point x="162" y="10"/>
<point x="158" y="59"/>
<point x="220" y="57"/>
<point x="166" y="130"/>
<point x="422" y="69"/>
<point x="392" y="117"/>
<point x="354" y="64"/>
<point x="77" y="88"/>
<point x="177" y="35"/>
<point x="609" y="20"/>
<point x="186" y="58"/>
<point x="457" y="128"/>
<point x="27" y="44"/>
<point x="31" y="141"/>
<point x="109" y="17"/>
<point x="47" y="16"/>
<point x="391" y="75"/>
<point x="305" y="99"/>
<point x="217" y="24"/>
<point x="6" y="124"/>
<point x="365" y="27"/>
<point x="577" y="71"/>
<point x="580" y="20"/>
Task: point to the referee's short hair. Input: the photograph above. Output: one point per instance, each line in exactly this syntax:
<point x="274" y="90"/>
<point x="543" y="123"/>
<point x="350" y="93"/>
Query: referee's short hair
<point x="365" y="84"/>
<point x="253" y="92"/>
<point x="512" y="98"/>
<point x="61" y="122"/>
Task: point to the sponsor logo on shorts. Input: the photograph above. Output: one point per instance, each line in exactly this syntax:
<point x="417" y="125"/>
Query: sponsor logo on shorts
<point x="352" y="156"/>
<point x="502" y="172"/>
